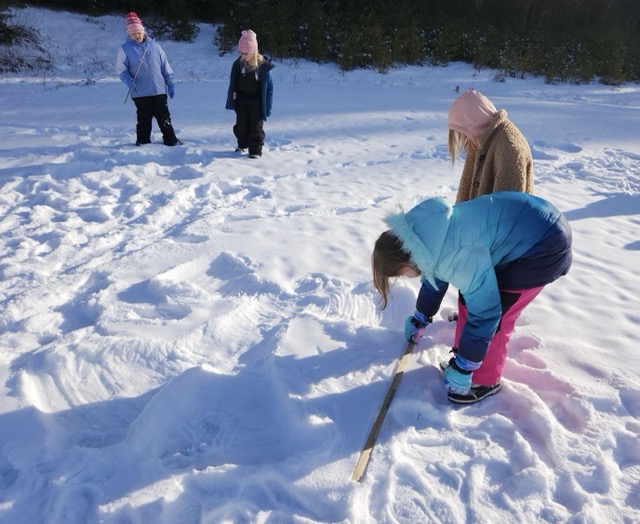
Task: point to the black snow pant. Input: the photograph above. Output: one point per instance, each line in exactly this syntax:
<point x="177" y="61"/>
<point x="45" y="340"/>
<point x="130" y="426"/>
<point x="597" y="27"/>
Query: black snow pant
<point x="149" y="107"/>
<point x="249" y="125"/>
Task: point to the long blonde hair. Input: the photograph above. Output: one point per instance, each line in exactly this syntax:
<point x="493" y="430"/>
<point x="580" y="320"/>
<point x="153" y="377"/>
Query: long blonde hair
<point x="387" y="259"/>
<point x="255" y="61"/>
<point x="458" y="142"/>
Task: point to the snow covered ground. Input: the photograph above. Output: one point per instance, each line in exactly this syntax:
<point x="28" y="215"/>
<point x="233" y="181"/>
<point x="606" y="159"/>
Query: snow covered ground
<point x="191" y="336"/>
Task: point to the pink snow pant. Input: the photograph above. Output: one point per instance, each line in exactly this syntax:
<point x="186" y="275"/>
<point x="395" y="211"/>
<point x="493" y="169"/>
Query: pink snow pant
<point x="490" y="371"/>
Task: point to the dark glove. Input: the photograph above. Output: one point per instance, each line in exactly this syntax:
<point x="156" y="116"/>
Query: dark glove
<point x="172" y="90"/>
<point x="457" y="376"/>
<point x="414" y="326"/>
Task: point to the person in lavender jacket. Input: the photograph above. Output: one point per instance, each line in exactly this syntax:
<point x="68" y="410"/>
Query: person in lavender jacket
<point x="143" y="66"/>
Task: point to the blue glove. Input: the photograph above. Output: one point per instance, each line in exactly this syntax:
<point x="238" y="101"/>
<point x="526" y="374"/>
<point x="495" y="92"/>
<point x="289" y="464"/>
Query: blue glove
<point x="172" y="90"/>
<point x="131" y="83"/>
<point x="414" y="326"/>
<point x="457" y="377"/>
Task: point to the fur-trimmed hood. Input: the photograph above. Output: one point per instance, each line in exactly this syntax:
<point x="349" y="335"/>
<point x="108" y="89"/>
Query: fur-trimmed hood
<point x="422" y="232"/>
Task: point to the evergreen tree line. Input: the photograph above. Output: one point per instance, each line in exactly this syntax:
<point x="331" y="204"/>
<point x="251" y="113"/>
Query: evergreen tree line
<point x="561" y="40"/>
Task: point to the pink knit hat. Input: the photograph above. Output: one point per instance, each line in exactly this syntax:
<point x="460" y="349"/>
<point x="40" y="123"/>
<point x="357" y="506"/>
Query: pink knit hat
<point x="471" y="113"/>
<point x="133" y="24"/>
<point x="248" y="42"/>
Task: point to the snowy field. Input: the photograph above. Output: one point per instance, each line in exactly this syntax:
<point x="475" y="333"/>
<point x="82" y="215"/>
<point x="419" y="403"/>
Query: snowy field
<point x="191" y="336"/>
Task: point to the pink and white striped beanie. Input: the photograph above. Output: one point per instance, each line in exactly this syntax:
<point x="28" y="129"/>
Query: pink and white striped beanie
<point x="133" y="24"/>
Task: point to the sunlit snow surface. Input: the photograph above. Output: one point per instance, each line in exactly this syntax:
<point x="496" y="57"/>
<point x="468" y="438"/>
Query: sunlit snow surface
<point x="188" y="335"/>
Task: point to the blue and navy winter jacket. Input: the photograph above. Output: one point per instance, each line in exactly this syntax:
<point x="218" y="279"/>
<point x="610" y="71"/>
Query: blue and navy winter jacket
<point x="505" y="240"/>
<point x="263" y="75"/>
<point x="153" y="71"/>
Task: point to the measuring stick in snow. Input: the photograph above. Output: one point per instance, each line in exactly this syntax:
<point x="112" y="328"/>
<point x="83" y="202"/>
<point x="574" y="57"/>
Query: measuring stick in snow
<point x="365" y="455"/>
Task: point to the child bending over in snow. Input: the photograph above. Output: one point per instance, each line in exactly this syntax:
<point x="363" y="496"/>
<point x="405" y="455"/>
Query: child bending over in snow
<point x="250" y="94"/>
<point x="499" y="250"/>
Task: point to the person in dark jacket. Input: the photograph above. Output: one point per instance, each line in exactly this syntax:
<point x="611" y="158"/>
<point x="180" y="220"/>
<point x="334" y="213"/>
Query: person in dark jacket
<point x="143" y="66"/>
<point x="499" y="250"/>
<point x="250" y="95"/>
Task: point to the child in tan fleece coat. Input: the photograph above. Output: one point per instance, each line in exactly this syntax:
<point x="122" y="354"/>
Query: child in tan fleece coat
<point x="498" y="158"/>
<point x="498" y="155"/>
